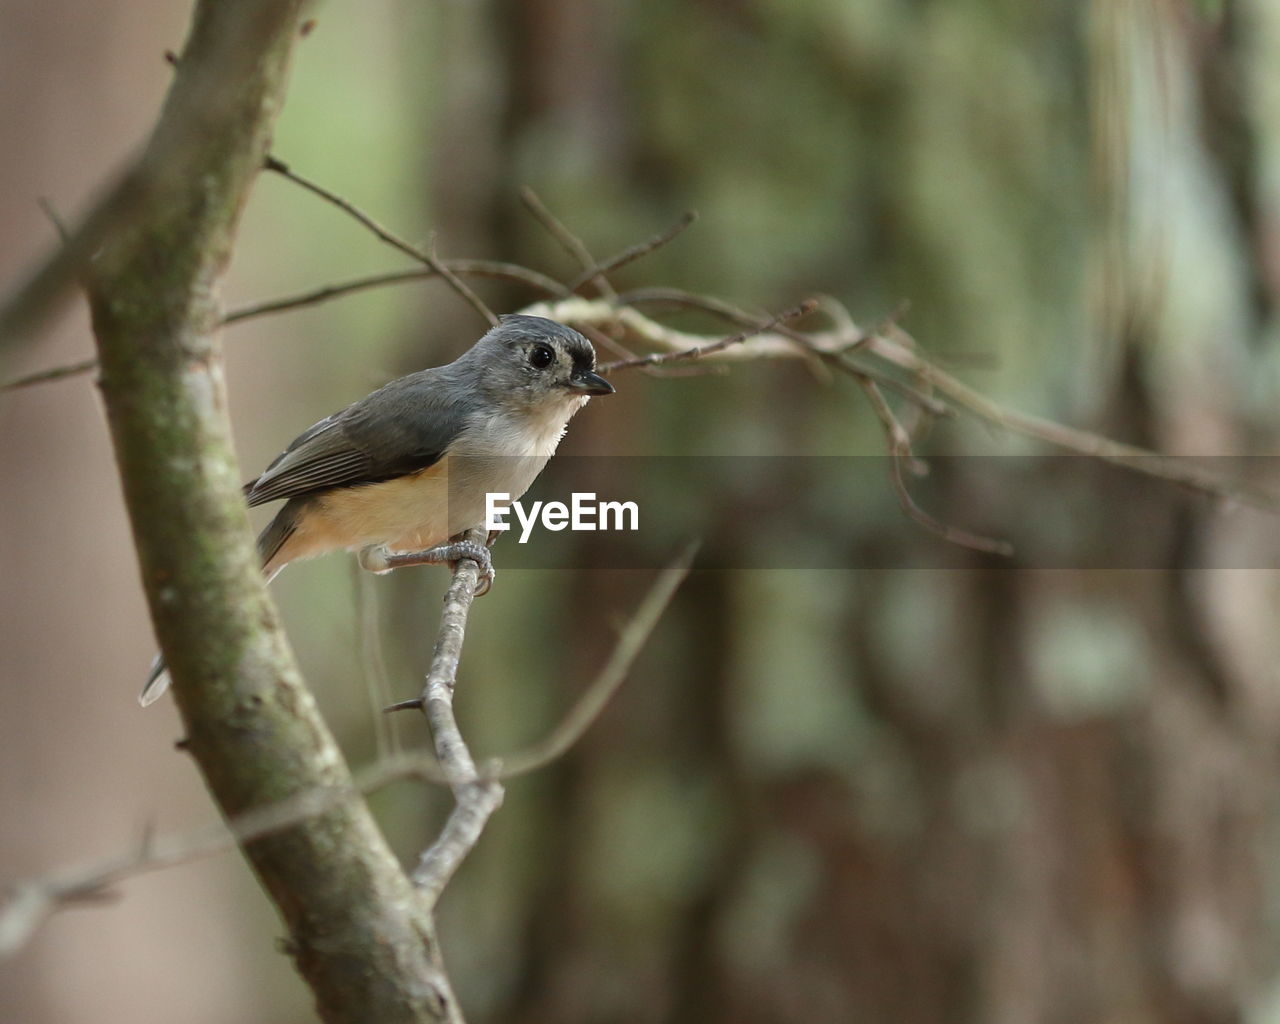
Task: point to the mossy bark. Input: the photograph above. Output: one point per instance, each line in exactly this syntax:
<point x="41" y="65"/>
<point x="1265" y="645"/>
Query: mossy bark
<point x="360" y="935"/>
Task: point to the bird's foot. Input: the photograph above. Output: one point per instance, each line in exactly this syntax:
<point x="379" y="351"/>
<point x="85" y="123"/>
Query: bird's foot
<point x="479" y="554"/>
<point x="379" y="560"/>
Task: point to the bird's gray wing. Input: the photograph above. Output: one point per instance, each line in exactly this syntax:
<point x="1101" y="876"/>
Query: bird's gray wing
<point x="401" y="428"/>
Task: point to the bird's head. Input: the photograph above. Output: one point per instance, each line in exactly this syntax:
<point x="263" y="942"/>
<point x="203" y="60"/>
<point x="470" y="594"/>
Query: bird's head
<point x="533" y="364"/>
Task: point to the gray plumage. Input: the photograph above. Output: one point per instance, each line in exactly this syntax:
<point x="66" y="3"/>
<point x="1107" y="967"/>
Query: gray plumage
<point x="372" y="476"/>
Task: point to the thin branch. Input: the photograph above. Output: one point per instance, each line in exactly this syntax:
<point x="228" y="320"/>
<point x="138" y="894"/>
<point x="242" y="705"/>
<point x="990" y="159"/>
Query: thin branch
<point x="474" y="268"/>
<point x="29" y="304"/>
<point x="631" y="641"/>
<point x="50" y="211"/>
<point x="803" y="343"/>
<point x="572" y="244"/>
<point x="900" y="451"/>
<point x="476" y="798"/>
<point x="924" y="402"/>
<point x="604" y="340"/>
<point x="780" y="345"/>
<point x="32" y="901"/>
<point x="45" y="376"/>
<point x="429" y="258"/>
<point x="702" y="351"/>
<point x="635" y="252"/>
<point x="461" y="267"/>
<point x="1058" y="435"/>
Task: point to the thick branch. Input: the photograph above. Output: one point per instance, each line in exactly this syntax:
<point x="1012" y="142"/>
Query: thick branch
<point x="359" y="935"/>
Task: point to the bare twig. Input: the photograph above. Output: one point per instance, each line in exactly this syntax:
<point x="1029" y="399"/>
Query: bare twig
<point x="30" y="902"/>
<point x="463" y="268"/>
<point x="45" y="376"/>
<point x="635" y="252"/>
<point x="594" y="699"/>
<point x="887" y="344"/>
<point x="900" y="451"/>
<point x="602" y="339"/>
<point x="1058" y="435"/>
<point x="802" y="343"/>
<point x="476" y="798"/>
<point x="50" y="211"/>
<point x="571" y="243"/>
<point x="27" y="305"/>
<point x="428" y="257"/>
<point x="780" y="344"/>
<point x="701" y="351"/>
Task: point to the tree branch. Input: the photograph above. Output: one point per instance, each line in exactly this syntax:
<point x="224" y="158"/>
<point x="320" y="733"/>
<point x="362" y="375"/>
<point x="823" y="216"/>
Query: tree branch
<point x="359" y="936"/>
<point x="899" y="452"/>
<point x="426" y="256"/>
<point x="31" y="901"/>
<point x="710" y="348"/>
<point x="463" y="267"/>
<point x="476" y="798"/>
<point x="570" y="242"/>
<point x="631" y="640"/>
<point x="784" y="343"/>
<point x="46" y="376"/>
<point x="633" y="252"/>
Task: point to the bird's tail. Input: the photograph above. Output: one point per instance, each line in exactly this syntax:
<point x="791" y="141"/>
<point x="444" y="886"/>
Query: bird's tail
<point x="270" y="542"/>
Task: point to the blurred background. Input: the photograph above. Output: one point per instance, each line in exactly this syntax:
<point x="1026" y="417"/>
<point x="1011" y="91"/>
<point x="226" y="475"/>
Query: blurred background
<point x="866" y="793"/>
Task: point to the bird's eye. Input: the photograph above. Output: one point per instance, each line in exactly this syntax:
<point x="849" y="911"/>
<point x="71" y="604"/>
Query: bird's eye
<point x="541" y="356"/>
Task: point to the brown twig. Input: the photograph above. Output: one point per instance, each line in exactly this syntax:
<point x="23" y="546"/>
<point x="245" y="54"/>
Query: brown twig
<point x="1072" y="439"/>
<point x="804" y="343"/>
<point x="476" y="797"/>
<point x="44" y="376"/>
<point x="428" y="257"/>
<point x="603" y="340"/>
<point x="635" y="252"/>
<point x="571" y="243"/>
<point x="461" y="267"/>
<point x="464" y="267"/>
<point x="701" y="351"/>
<point x="30" y="902"/>
<point x="900" y="451"/>
<point x="783" y="344"/>
<point x="631" y="640"/>
<point x="47" y="208"/>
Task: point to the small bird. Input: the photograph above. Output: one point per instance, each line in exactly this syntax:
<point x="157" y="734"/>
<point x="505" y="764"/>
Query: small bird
<point x="396" y="474"/>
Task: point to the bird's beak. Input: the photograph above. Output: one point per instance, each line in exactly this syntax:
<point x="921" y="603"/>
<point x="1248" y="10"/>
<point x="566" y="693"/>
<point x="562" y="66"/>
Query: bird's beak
<point x="590" y="383"/>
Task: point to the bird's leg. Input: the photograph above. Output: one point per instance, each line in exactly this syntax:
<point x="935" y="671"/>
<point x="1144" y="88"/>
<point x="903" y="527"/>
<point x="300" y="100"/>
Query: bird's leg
<point x="376" y="558"/>
<point x="373" y="558"/>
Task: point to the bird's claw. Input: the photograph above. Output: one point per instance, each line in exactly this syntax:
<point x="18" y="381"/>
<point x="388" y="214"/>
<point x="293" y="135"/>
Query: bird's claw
<point x="479" y="554"/>
<point x="378" y="560"/>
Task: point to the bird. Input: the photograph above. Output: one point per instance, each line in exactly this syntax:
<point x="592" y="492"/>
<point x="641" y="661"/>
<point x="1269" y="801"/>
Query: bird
<point x="398" y="473"/>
